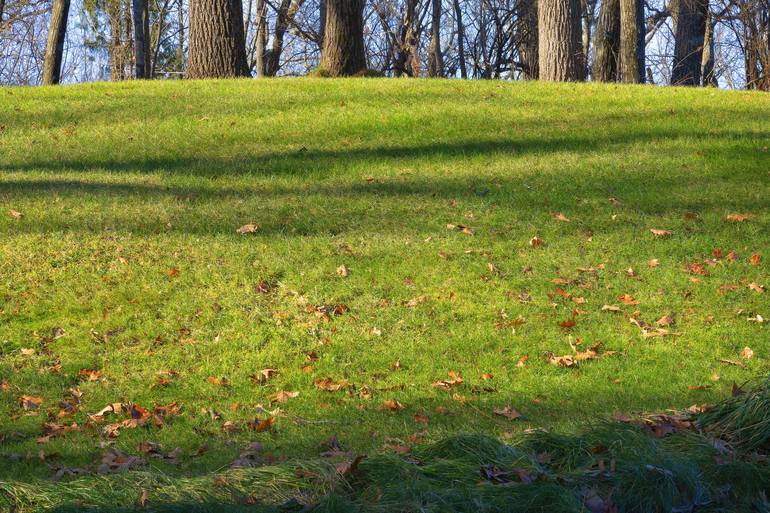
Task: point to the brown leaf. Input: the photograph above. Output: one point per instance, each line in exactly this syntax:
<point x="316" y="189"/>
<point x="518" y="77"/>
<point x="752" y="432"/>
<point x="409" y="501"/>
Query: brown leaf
<point x="666" y="320"/>
<point x="756" y="287"/>
<point x="247" y="228"/>
<point x="536" y="242"/>
<point x="653" y="263"/>
<point x="262" y="425"/>
<point x="222" y="382"/>
<point x="747" y="353"/>
<point x="568" y="324"/>
<point x="628" y="300"/>
<point x="661" y="233"/>
<point x="330" y="385"/>
<point x="611" y="308"/>
<point x="454" y="380"/>
<point x="393" y="405"/>
<point x="15" y="214"/>
<point x="283" y="396"/>
<point x="343" y="271"/>
<point x="696" y="268"/>
<point x="173" y="272"/>
<point x="738" y="218"/>
<point x="755" y="259"/>
<point x="263" y="376"/>
<point x="30" y="402"/>
<point x="560" y="217"/>
<point x="144" y="498"/>
<point x="522" y="361"/>
<point x="508" y="412"/>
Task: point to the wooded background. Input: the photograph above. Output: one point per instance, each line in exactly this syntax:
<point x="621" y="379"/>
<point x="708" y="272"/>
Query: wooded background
<point x="722" y="43"/>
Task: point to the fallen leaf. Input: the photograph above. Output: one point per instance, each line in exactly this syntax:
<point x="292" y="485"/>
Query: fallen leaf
<point x="666" y="320"/>
<point x="755" y="259"/>
<point x="173" y="272"/>
<point x="747" y="353"/>
<point x="247" y="228"/>
<point x="628" y="300"/>
<point x="508" y="412"/>
<point x="454" y="380"/>
<point x="15" y="214"/>
<point x="560" y="217"/>
<point x="30" y="403"/>
<point x="653" y="263"/>
<point x="283" y="396"/>
<point x="756" y="287"/>
<point x="611" y="308"/>
<point x="522" y="361"/>
<point x="393" y="405"/>
<point x="536" y="242"/>
<point x="661" y="233"/>
<point x="738" y="218"/>
<point x="343" y="271"/>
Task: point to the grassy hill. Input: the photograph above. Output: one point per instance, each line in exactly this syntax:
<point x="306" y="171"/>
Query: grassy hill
<point x="407" y="233"/>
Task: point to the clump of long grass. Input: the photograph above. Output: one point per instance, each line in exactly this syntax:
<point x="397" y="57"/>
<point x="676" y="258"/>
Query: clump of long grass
<point x="742" y="420"/>
<point x="611" y="466"/>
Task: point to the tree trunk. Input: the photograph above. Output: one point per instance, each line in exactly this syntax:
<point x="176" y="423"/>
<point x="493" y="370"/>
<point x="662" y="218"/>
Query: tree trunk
<point x="217" y="45"/>
<point x="527" y="38"/>
<point x="631" y="63"/>
<point x="343" y="51"/>
<point x="607" y="42"/>
<point x="141" y="39"/>
<point x="261" y="41"/>
<point x="690" y="16"/>
<point x="281" y="24"/>
<point x="460" y="39"/>
<point x="560" y="51"/>
<point x="407" y="41"/>
<point x="707" y="62"/>
<point x="180" y="36"/>
<point x="321" y="23"/>
<point x="54" y="48"/>
<point x="2" y="10"/>
<point x="435" y="58"/>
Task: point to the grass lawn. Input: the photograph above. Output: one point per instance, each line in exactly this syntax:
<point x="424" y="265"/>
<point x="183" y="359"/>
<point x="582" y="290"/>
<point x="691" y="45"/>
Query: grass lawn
<point x="406" y="230"/>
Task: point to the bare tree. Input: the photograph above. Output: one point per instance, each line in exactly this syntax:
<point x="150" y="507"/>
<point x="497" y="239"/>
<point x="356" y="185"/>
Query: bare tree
<point x="142" y="39"/>
<point x="690" y="32"/>
<point x="217" y="45"/>
<point x="343" y="51"/>
<point x="607" y="42"/>
<point x="560" y="50"/>
<point x="632" y="44"/>
<point x="54" y="49"/>
<point x="435" y="57"/>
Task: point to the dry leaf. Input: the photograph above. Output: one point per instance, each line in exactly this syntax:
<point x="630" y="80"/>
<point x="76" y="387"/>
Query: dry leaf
<point x="283" y="396"/>
<point x="628" y="300"/>
<point x="653" y="263"/>
<point x="661" y="233"/>
<point x="508" y="412"/>
<point x="737" y="217"/>
<point x="522" y="361"/>
<point x="536" y="242"/>
<point x="14" y="214"/>
<point x="756" y="287"/>
<point x="747" y="353"/>
<point x="343" y="271"/>
<point x="611" y="308"/>
<point x="247" y="228"/>
<point x="393" y="405"/>
<point x="755" y="259"/>
<point x="560" y="217"/>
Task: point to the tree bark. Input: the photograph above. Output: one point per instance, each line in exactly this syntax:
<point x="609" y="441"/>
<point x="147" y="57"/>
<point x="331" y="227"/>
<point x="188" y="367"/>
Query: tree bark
<point x="435" y="57"/>
<point x="607" y="42"/>
<point x="631" y="65"/>
<point x="281" y="24"/>
<point x="690" y="16"/>
<point x="343" y="51"/>
<point x="54" y="48"/>
<point x="261" y="41"/>
<point x="527" y="38"/>
<point x="707" y="62"/>
<point x="217" y="44"/>
<point x="407" y="41"/>
<point x="141" y="39"/>
<point x="560" y="50"/>
<point x="460" y="39"/>
<point x="180" y="36"/>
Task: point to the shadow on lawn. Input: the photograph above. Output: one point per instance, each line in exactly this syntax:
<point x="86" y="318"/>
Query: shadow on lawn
<point x="654" y="191"/>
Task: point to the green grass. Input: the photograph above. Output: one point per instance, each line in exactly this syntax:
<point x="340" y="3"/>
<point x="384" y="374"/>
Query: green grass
<point x="118" y="184"/>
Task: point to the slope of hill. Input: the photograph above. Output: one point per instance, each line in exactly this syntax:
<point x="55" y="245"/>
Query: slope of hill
<point x="417" y="259"/>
